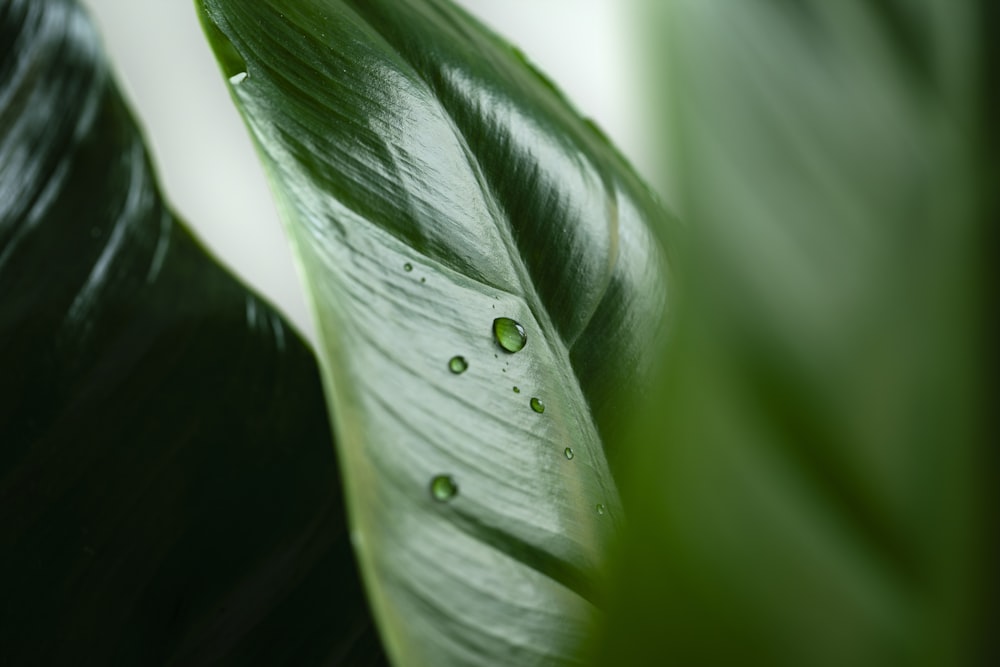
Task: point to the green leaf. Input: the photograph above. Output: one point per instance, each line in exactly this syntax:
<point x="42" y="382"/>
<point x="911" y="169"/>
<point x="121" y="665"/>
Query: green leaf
<point x="168" y="488"/>
<point x="814" y="489"/>
<point x="432" y="182"/>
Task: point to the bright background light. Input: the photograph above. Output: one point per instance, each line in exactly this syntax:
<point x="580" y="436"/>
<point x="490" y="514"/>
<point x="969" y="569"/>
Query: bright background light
<point x="207" y="166"/>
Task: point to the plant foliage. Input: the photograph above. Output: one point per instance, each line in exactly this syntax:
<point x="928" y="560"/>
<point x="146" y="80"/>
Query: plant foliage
<point x="168" y="489"/>
<point x="432" y="181"/>
<point x="816" y="487"/>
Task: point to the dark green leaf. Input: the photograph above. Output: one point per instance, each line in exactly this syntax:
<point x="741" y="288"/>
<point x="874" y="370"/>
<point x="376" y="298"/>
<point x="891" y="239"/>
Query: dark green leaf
<point x="168" y="489"/>
<point x="432" y="181"/>
<point x="812" y="491"/>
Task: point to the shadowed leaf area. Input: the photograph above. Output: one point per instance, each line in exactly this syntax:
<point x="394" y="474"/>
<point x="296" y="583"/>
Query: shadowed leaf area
<point x="168" y="488"/>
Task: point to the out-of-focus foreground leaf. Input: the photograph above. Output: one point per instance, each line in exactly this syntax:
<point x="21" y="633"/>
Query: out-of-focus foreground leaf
<point x="431" y="182"/>
<point x="168" y="488"/>
<point x="814" y="489"/>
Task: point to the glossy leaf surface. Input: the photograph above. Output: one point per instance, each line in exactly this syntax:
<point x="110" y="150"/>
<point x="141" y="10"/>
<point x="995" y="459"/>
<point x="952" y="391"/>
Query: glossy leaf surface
<point x="433" y="182"/>
<point x="814" y="488"/>
<point x="168" y="486"/>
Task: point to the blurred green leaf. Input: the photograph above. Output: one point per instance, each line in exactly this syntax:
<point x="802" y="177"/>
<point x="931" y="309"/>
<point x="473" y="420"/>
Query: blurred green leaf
<point x="812" y="489"/>
<point x="432" y="181"/>
<point x="168" y="488"/>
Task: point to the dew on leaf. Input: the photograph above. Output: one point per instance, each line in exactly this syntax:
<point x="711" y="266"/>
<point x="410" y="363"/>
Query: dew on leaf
<point x="537" y="405"/>
<point x="509" y="334"/>
<point x="443" y="488"/>
<point x="569" y="453"/>
<point x="458" y="365"/>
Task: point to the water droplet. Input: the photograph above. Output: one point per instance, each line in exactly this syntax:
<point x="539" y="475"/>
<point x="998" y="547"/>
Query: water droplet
<point x="516" y="390"/>
<point x="407" y="267"/>
<point x="423" y="280"/>
<point x="601" y="509"/>
<point x="537" y="405"/>
<point x="443" y="488"/>
<point x="569" y="453"/>
<point x="509" y="334"/>
<point x="458" y="365"/>
<point x="238" y="78"/>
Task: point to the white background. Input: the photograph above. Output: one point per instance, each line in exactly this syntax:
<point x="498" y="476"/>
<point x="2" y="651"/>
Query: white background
<point x="206" y="163"/>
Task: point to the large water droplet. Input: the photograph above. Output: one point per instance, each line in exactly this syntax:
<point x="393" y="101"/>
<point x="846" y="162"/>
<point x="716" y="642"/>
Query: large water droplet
<point x="569" y="453"/>
<point x="458" y="365"/>
<point x="238" y="78"/>
<point x="407" y="267"/>
<point x="509" y="334"/>
<point x="601" y="509"/>
<point x="537" y="405"/>
<point x="443" y="488"/>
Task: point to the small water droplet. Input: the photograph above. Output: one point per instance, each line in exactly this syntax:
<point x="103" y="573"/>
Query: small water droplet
<point x="238" y="78"/>
<point x="423" y="280"/>
<point x="407" y="267"/>
<point x="509" y="334"/>
<point x="458" y="365"/>
<point x="569" y="453"/>
<point x="537" y="405"/>
<point x="95" y="232"/>
<point x="443" y="488"/>
<point x="601" y="509"/>
<point x="516" y="390"/>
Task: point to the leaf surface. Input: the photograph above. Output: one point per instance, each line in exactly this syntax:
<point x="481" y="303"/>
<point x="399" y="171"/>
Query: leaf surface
<point x="168" y="486"/>
<point x="814" y="488"/>
<point x="432" y="181"/>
